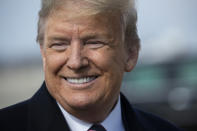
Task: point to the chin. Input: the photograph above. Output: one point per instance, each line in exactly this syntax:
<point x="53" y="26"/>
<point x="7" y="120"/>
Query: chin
<point x="80" y="101"/>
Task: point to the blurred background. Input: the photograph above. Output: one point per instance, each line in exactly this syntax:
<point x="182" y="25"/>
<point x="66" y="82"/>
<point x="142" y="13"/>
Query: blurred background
<point x="164" y="81"/>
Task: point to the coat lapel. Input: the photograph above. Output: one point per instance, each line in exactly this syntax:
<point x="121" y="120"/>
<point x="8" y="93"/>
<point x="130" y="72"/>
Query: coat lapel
<point x="129" y="116"/>
<point x="44" y="113"/>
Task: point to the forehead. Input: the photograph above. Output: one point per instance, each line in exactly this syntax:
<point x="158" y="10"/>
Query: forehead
<point x="65" y="21"/>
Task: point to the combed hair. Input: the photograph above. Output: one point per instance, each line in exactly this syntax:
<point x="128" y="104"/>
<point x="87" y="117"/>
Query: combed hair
<point x="125" y="7"/>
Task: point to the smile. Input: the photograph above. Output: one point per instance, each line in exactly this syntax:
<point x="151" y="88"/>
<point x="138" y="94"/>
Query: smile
<point x="81" y="80"/>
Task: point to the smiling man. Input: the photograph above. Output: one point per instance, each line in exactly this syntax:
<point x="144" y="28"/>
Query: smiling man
<point x="86" y="46"/>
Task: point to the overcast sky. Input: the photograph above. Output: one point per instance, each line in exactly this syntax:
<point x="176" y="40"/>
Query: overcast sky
<point x="167" y="28"/>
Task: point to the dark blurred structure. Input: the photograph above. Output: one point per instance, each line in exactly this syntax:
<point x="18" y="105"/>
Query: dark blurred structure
<point x="168" y="90"/>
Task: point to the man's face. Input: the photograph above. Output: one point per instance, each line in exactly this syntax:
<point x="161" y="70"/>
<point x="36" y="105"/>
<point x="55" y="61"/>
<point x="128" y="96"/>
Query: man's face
<point x="84" y="59"/>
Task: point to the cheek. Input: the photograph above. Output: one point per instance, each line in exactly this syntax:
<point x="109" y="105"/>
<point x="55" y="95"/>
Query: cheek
<point x="112" y="66"/>
<point x="107" y="60"/>
<point x="54" y="62"/>
<point x="112" y="69"/>
<point x="101" y="61"/>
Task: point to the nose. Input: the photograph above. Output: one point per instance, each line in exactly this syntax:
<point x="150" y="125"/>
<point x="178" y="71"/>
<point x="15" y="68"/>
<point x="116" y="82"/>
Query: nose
<point x="76" y="58"/>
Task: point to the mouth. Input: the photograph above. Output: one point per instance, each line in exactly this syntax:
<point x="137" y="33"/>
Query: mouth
<point x="80" y="80"/>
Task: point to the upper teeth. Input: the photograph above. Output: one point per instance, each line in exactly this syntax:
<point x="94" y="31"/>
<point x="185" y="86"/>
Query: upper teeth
<point x="80" y="80"/>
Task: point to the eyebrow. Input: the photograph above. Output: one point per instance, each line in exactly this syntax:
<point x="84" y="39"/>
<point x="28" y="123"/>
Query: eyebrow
<point x="91" y="37"/>
<point x="85" y="38"/>
<point x="58" y="38"/>
<point x="96" y="35"/>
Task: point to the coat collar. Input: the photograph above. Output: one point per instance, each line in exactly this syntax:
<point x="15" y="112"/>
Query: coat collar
<point x="130" y="121"/>
<point x="44" y="114"/>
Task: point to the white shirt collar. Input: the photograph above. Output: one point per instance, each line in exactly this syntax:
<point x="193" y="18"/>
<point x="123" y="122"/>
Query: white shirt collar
<point x="113" y="122"/>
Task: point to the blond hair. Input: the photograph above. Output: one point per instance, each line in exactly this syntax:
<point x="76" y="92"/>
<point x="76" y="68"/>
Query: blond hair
<point x="125" y="7"/>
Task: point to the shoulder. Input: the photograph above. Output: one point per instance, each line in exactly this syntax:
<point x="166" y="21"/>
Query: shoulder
<point x="151" y="121"/>
<point x="143" y="120"/>
<point x="14" y="117"/>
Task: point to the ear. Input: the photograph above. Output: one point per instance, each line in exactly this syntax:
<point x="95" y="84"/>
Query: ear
<point x="132" y="58"/>
<point x="43" y="55"/>
<point x="42" y="50"/>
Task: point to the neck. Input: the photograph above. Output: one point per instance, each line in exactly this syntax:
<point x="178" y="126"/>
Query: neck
<point x="91" y="114"/>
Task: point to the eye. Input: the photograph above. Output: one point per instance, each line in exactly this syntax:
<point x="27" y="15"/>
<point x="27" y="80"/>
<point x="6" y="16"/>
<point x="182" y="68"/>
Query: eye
<point x="94" y="44"/>
<point x="59" y="46"/>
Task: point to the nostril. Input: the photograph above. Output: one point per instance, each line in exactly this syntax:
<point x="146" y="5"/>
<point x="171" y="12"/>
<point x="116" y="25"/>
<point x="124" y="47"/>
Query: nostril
<point x="74" y="63"/>
<point x="77" y="63"/>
